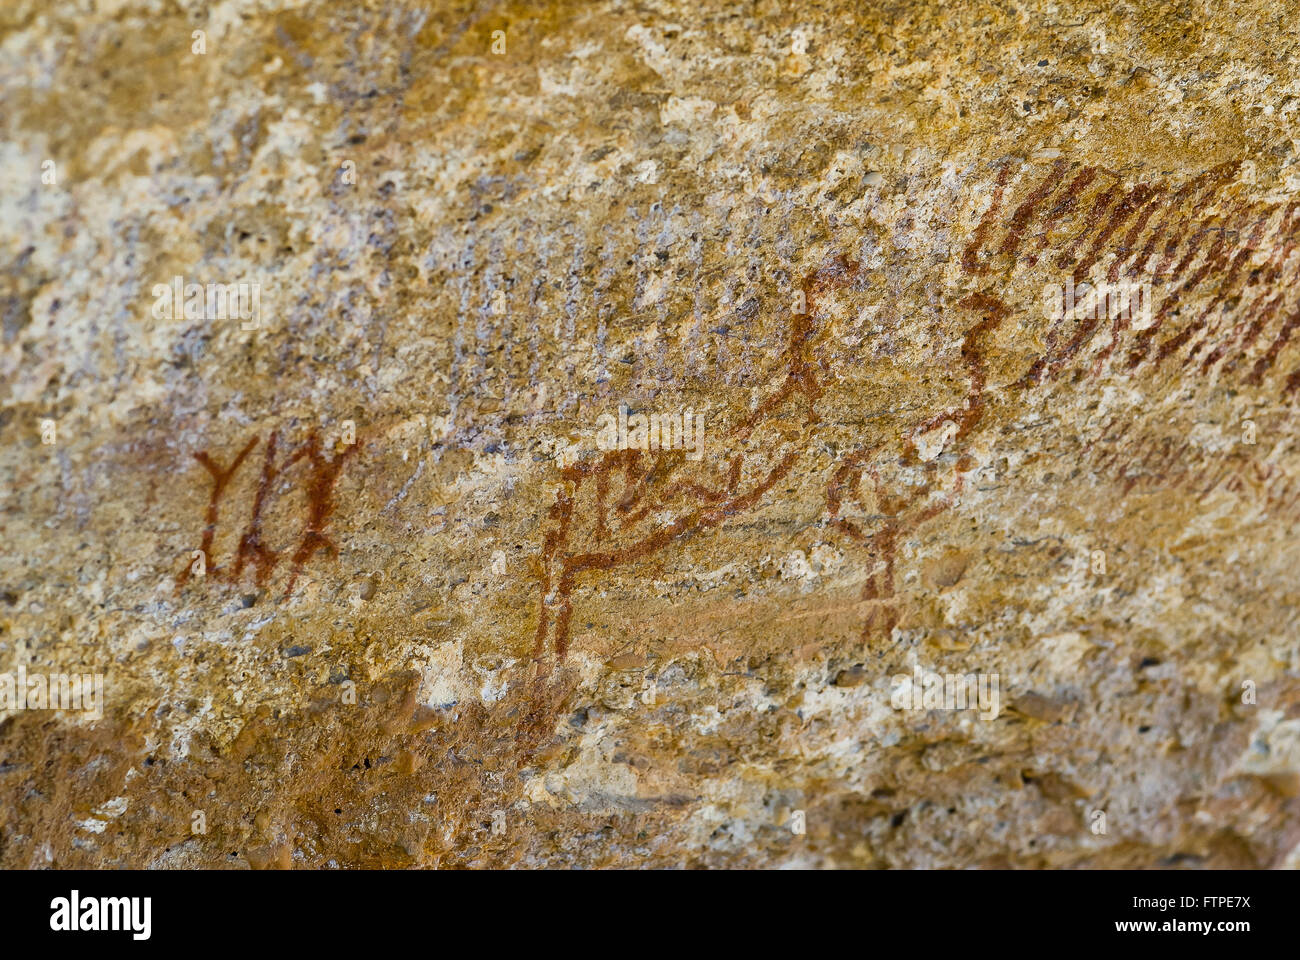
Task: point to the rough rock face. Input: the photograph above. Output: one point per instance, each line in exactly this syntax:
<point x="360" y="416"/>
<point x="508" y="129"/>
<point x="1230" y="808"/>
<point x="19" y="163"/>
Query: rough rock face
<point x="968" y="337"/>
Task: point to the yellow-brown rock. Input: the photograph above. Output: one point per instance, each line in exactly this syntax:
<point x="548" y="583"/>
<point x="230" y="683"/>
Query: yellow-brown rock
<point x="364" y="579"/>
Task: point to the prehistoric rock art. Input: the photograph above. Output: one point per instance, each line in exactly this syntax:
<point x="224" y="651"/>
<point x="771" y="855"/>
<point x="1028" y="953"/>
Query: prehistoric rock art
<point x="474" y="231"/>
<point x="1079" y="223"/>
<point x="663" y="483"/>
<point x="318" y="485"/>
<point x="1075" y="221"/>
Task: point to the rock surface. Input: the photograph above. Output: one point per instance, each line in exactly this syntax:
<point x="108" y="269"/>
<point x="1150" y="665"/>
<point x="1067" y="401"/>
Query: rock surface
<point x="435" y="622"/>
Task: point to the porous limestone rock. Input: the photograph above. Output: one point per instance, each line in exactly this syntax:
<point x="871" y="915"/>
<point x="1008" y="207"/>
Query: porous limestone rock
<point x="366" y="552"/>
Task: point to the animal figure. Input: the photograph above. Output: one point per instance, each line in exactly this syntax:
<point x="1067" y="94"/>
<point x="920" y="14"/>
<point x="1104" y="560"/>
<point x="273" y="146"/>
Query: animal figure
<point x="642" y="501"/>
<point x="1080" y="221"/>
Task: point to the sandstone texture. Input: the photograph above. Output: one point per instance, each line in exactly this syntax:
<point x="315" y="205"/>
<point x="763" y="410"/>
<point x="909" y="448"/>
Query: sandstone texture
<point x="366" y="586"/>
